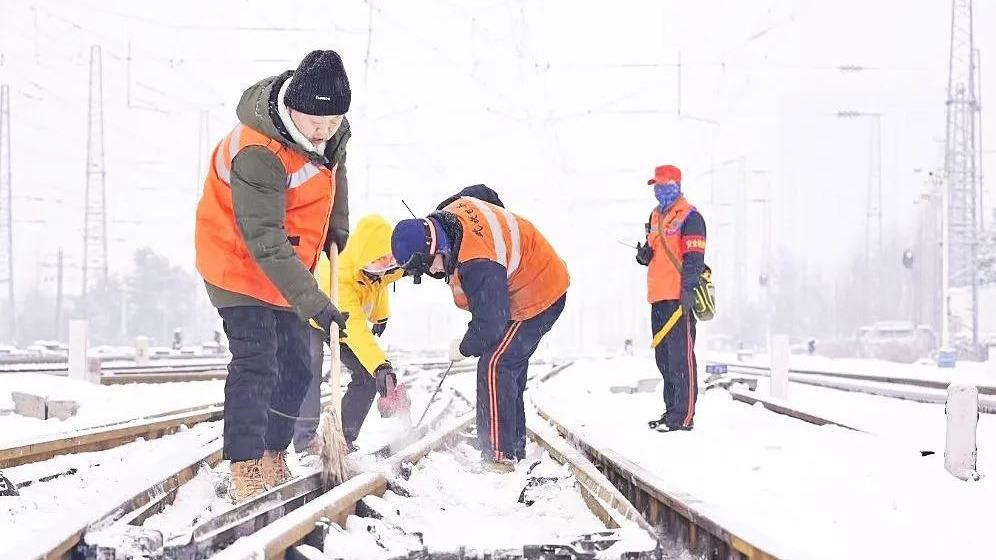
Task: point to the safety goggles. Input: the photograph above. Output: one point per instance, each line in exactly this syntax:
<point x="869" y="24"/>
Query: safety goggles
<point x="381" y="267"/>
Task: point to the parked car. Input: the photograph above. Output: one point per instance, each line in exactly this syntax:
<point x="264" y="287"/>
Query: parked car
<point x="897" y="341"/>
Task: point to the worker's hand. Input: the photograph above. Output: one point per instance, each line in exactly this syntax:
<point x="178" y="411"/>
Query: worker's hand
<point x="327" y="317"/>
<point x="337" y="237"/>
<point x="379" y="328"/>
<point x="688" y="301"/>
<point x="644" y="254"/>
<point x="455" y="354"/>
<point x="386" y="379"/>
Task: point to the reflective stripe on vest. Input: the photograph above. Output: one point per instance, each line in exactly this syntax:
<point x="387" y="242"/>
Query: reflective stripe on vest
<point x="301" y="176"/>
<point x="224" y="158"/>
<point x="509" y="261"/>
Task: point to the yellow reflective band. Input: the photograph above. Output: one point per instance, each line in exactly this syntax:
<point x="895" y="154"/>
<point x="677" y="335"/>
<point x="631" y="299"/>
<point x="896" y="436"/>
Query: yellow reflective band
<point x="659" y="336"/>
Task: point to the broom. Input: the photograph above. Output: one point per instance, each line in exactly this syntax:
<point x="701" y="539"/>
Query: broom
<point x="331" y="442"/>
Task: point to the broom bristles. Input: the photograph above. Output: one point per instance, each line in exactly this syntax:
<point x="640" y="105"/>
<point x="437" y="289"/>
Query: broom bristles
<point x="334" y="451"/>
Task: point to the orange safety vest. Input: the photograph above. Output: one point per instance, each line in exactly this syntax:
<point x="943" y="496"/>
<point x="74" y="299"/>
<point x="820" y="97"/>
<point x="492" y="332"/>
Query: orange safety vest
<point x="537" y="277"/>
<point x="222" y="256"/>
<point x="664" y="236"/>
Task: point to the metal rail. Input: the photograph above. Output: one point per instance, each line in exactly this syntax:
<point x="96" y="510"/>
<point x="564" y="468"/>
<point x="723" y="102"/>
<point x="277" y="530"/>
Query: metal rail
<point x="99" y="439"/>
<point x="676" y="517"/>
<point x="894" y="379"/>
<point x="63" y="536"/>
<point x="928" y="392"/>
<point x="784" y="408"/>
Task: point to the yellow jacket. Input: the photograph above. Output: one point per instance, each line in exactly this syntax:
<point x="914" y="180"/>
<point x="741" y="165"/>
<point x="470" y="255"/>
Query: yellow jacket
<point x="364" y="299"/>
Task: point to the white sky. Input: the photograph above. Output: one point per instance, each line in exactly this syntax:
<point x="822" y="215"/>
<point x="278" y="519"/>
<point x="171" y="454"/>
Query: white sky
<point x="563" y="107"/>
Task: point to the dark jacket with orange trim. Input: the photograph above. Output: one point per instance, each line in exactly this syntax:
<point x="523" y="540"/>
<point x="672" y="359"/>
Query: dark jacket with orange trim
<point x="693" y="259"/>
<point x="485" y="282"/>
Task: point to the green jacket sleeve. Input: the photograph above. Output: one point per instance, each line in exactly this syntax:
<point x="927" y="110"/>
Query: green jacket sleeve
<point x="340" y="205"/>
<point x="259" y="182"/>
<point x="339" y="222"/>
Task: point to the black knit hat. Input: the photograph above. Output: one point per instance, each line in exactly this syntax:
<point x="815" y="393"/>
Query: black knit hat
<point x="319" y="85"/>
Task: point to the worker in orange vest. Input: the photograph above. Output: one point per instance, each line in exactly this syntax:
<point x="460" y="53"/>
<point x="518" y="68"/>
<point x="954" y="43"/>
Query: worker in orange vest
<point x="675" y="256"/>
<point x="501" y="269"/>
<point x="274" y="198"/>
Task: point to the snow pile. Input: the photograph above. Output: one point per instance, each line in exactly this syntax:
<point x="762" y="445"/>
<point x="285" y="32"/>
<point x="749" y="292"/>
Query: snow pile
<point x="456" y="503"/>
<point x="452" y="501"/>
<point x="201" y="498"/>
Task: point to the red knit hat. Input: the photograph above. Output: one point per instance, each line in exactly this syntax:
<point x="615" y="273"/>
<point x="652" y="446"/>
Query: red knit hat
<point x="664" y="174"/>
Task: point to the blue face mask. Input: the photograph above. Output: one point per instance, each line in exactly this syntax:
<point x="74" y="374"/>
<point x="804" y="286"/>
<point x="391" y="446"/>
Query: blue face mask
<point x="667" y="194"/>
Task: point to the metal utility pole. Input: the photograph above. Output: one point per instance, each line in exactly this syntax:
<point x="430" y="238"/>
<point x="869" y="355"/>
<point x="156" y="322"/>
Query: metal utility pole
<point x="960" y="159"/>
<point x="6" y="215"/>
<point x="873" y="194"/>
<point x="95" y="210"/>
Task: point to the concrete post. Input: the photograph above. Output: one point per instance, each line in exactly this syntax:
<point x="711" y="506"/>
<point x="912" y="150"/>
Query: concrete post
<point x="78" y="344"/>
<point x="142" y="356"/>
<point x="960" y="451"/>
<point x="780" y="366"/>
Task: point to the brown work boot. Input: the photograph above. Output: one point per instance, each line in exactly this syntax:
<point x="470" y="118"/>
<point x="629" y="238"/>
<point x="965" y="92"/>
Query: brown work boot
<point x="275" y="470"/>
<point x="247" y="480"/>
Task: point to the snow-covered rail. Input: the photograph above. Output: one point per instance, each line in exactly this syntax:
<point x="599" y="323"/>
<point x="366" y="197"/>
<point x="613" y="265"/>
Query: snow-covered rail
<point x="672" y="516"/>
<point x="799" y="373"/>
<point x="61" y="368"/>
<point x="106" y="437"/>
<point x="373" y="514"/>
<point x="784" y="408"/>
<point x="903" y="388"/>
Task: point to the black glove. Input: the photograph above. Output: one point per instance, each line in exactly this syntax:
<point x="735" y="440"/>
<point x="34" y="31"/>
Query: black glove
<point x="386" y="380"/>
<point x="339" y="237"/>
<point x="688" y="300"/>
<point x="379" y="328"/>
<point x="328" y="316"/>
<point x="644" y="254"/>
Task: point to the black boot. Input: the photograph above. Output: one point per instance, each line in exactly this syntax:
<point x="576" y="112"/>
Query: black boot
<point x="654" y="423"/>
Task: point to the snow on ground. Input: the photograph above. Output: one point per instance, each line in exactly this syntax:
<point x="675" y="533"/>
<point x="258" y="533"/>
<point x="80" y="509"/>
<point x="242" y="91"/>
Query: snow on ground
<point x="102" y="480"/>
<point x="795" y="489"/>
<point x="456" y="503"/>
<point x="99" y="404"/>
<point x="918" y="426"/>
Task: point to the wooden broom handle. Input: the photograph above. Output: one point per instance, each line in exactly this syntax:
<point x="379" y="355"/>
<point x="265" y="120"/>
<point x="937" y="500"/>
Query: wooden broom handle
<point x="336" y="370"/>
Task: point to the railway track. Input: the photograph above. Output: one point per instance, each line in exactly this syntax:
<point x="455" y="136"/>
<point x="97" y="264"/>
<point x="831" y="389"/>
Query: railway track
<point x="107" y="436"/>
<point x="675" y="517"/>
<point x="896" y="387"/>
<point x="304" y="519"/>
<point x="63" y="368"/>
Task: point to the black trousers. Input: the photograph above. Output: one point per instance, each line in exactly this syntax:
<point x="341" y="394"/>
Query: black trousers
<point x="356" y="401"/>
<point x="675" y="357"/>
<point x="267" y="379"/>
<point x="501" y="382"/>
